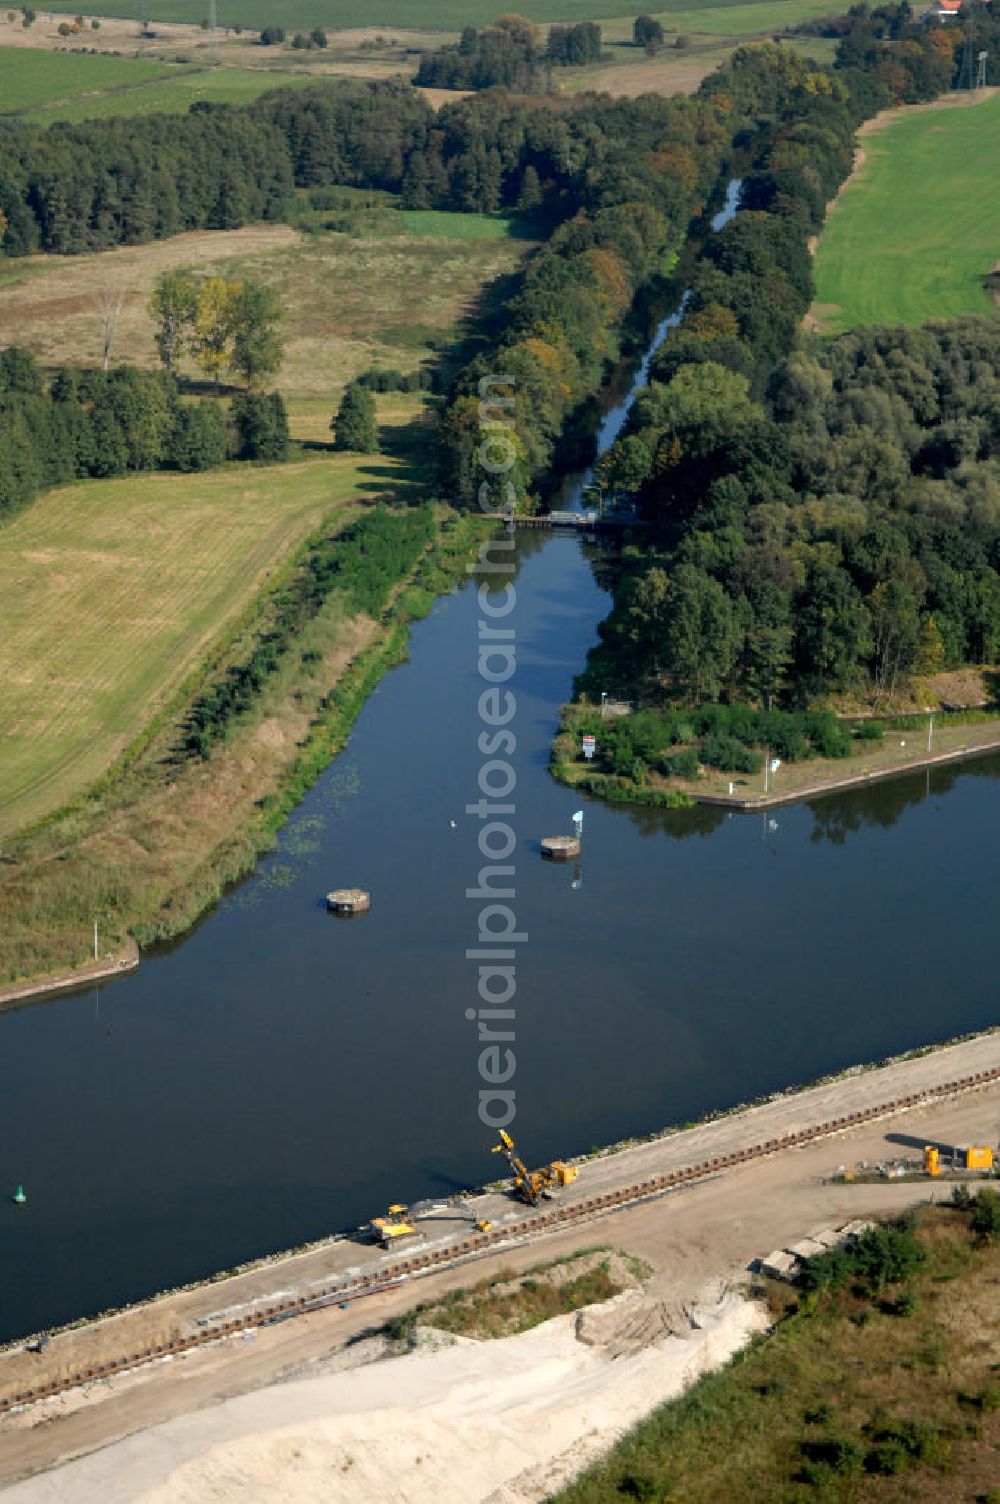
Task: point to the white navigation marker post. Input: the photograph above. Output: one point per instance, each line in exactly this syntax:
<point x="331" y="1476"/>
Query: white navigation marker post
<point x="578" y="824"/>
<point x="930" y="729"/>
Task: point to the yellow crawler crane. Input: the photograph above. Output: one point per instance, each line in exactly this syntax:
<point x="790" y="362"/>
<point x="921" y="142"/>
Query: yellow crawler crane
<point x="532" y="1185"/>
<point x="393" y="1229"/>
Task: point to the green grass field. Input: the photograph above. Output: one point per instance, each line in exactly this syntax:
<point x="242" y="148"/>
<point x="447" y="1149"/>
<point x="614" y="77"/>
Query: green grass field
<point x="444" y="15"/>
<point x="918" y="229"/>
<point x="31" y="78"/>
<point x="441" y="224"/>
<point x="169" y="95"/>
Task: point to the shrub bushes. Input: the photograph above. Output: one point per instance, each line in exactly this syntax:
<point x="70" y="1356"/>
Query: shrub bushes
<point x="729" y="755"/>
<point x="727" y="737"/>
<point x="364" y="562"/>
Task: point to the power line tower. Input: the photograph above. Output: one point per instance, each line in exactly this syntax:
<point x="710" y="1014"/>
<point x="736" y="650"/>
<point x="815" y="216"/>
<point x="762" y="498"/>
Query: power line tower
<point x="211" y="17"/>
<point x="981" y="70"/>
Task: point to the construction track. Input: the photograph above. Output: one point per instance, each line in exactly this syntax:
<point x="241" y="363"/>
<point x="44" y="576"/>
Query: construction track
<point x="461" y="1250"/>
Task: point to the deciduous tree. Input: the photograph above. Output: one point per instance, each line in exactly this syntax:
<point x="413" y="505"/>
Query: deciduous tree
<point x="215" y="323"/>
<point x="257" y="344"/>
<point x="173" y="306"/>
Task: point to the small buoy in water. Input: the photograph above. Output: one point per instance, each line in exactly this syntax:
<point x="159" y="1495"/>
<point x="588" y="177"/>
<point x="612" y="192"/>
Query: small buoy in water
<point x="19" y="1196"/>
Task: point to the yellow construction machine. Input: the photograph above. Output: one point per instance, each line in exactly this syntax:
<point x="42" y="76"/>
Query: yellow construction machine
<point x="393" y="1229"/>
<point x="965" y="1156"/>
<point x="532" y="1185"/>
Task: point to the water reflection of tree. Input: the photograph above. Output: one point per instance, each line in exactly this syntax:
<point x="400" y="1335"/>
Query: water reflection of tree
<point x="836" y="816"/>
<point x="678" y="824"/>
<point x="527" y="543"/>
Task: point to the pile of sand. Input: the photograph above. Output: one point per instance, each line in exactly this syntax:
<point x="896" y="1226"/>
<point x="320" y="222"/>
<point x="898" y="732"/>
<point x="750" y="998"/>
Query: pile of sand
<point x="499" y="1422"/>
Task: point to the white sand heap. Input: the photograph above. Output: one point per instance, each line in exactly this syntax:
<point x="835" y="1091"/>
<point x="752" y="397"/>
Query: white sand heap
<point x="501" y="1422"/>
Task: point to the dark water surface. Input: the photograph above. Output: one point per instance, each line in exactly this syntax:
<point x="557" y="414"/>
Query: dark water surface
<point x="282" y="1073"/>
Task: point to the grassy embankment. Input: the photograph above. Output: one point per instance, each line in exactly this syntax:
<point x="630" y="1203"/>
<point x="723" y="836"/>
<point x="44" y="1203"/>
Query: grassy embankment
<point x="916" y="232"/>
<point x="120" y="599"/>
<point x="884" y="1387"/>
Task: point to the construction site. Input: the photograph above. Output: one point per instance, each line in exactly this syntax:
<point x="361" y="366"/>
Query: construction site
<point x="758" y="1190"/>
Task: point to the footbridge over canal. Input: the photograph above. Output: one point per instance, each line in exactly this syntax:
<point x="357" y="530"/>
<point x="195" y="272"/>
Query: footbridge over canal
<point x="580" y="521"/>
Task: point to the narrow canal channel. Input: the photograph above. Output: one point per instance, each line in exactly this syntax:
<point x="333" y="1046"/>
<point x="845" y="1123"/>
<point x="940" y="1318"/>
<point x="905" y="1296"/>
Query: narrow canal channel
<point x="281" y="1073"/>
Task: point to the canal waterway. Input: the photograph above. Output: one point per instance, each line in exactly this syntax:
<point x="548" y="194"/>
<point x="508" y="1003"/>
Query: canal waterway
<point x="282" y="1073"/>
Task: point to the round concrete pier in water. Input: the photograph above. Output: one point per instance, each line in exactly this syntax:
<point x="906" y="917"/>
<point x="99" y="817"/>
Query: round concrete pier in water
<point x="560" y="848"/>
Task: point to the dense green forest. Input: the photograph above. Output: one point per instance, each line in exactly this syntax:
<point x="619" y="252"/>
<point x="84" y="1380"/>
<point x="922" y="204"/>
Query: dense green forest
<point x="841" y="531"/>
<point x="105" y="423"/>
<point x="826" y="515"/>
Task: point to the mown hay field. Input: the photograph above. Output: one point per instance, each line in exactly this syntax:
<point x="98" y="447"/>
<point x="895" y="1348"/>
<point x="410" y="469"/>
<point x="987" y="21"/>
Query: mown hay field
<point x="111" y="592"/>
<point x="916" y="231"/>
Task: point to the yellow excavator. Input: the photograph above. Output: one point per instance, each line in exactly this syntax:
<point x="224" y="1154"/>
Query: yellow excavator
<point x="532" y="1185"/>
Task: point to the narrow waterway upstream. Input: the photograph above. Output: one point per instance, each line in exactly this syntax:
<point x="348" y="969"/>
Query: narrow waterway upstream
<point x="281" y="1073"/>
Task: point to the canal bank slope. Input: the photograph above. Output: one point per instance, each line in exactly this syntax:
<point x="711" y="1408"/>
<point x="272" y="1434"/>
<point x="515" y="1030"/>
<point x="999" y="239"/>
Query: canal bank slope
<point x="697" y="1204"/>
<point x="158" y="840"/>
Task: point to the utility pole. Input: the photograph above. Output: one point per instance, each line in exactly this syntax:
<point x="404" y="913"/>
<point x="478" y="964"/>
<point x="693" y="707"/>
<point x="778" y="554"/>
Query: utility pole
<point x="96" y="957"/>
<point x="930" y="730"/>
<point x="981" y="71"/>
